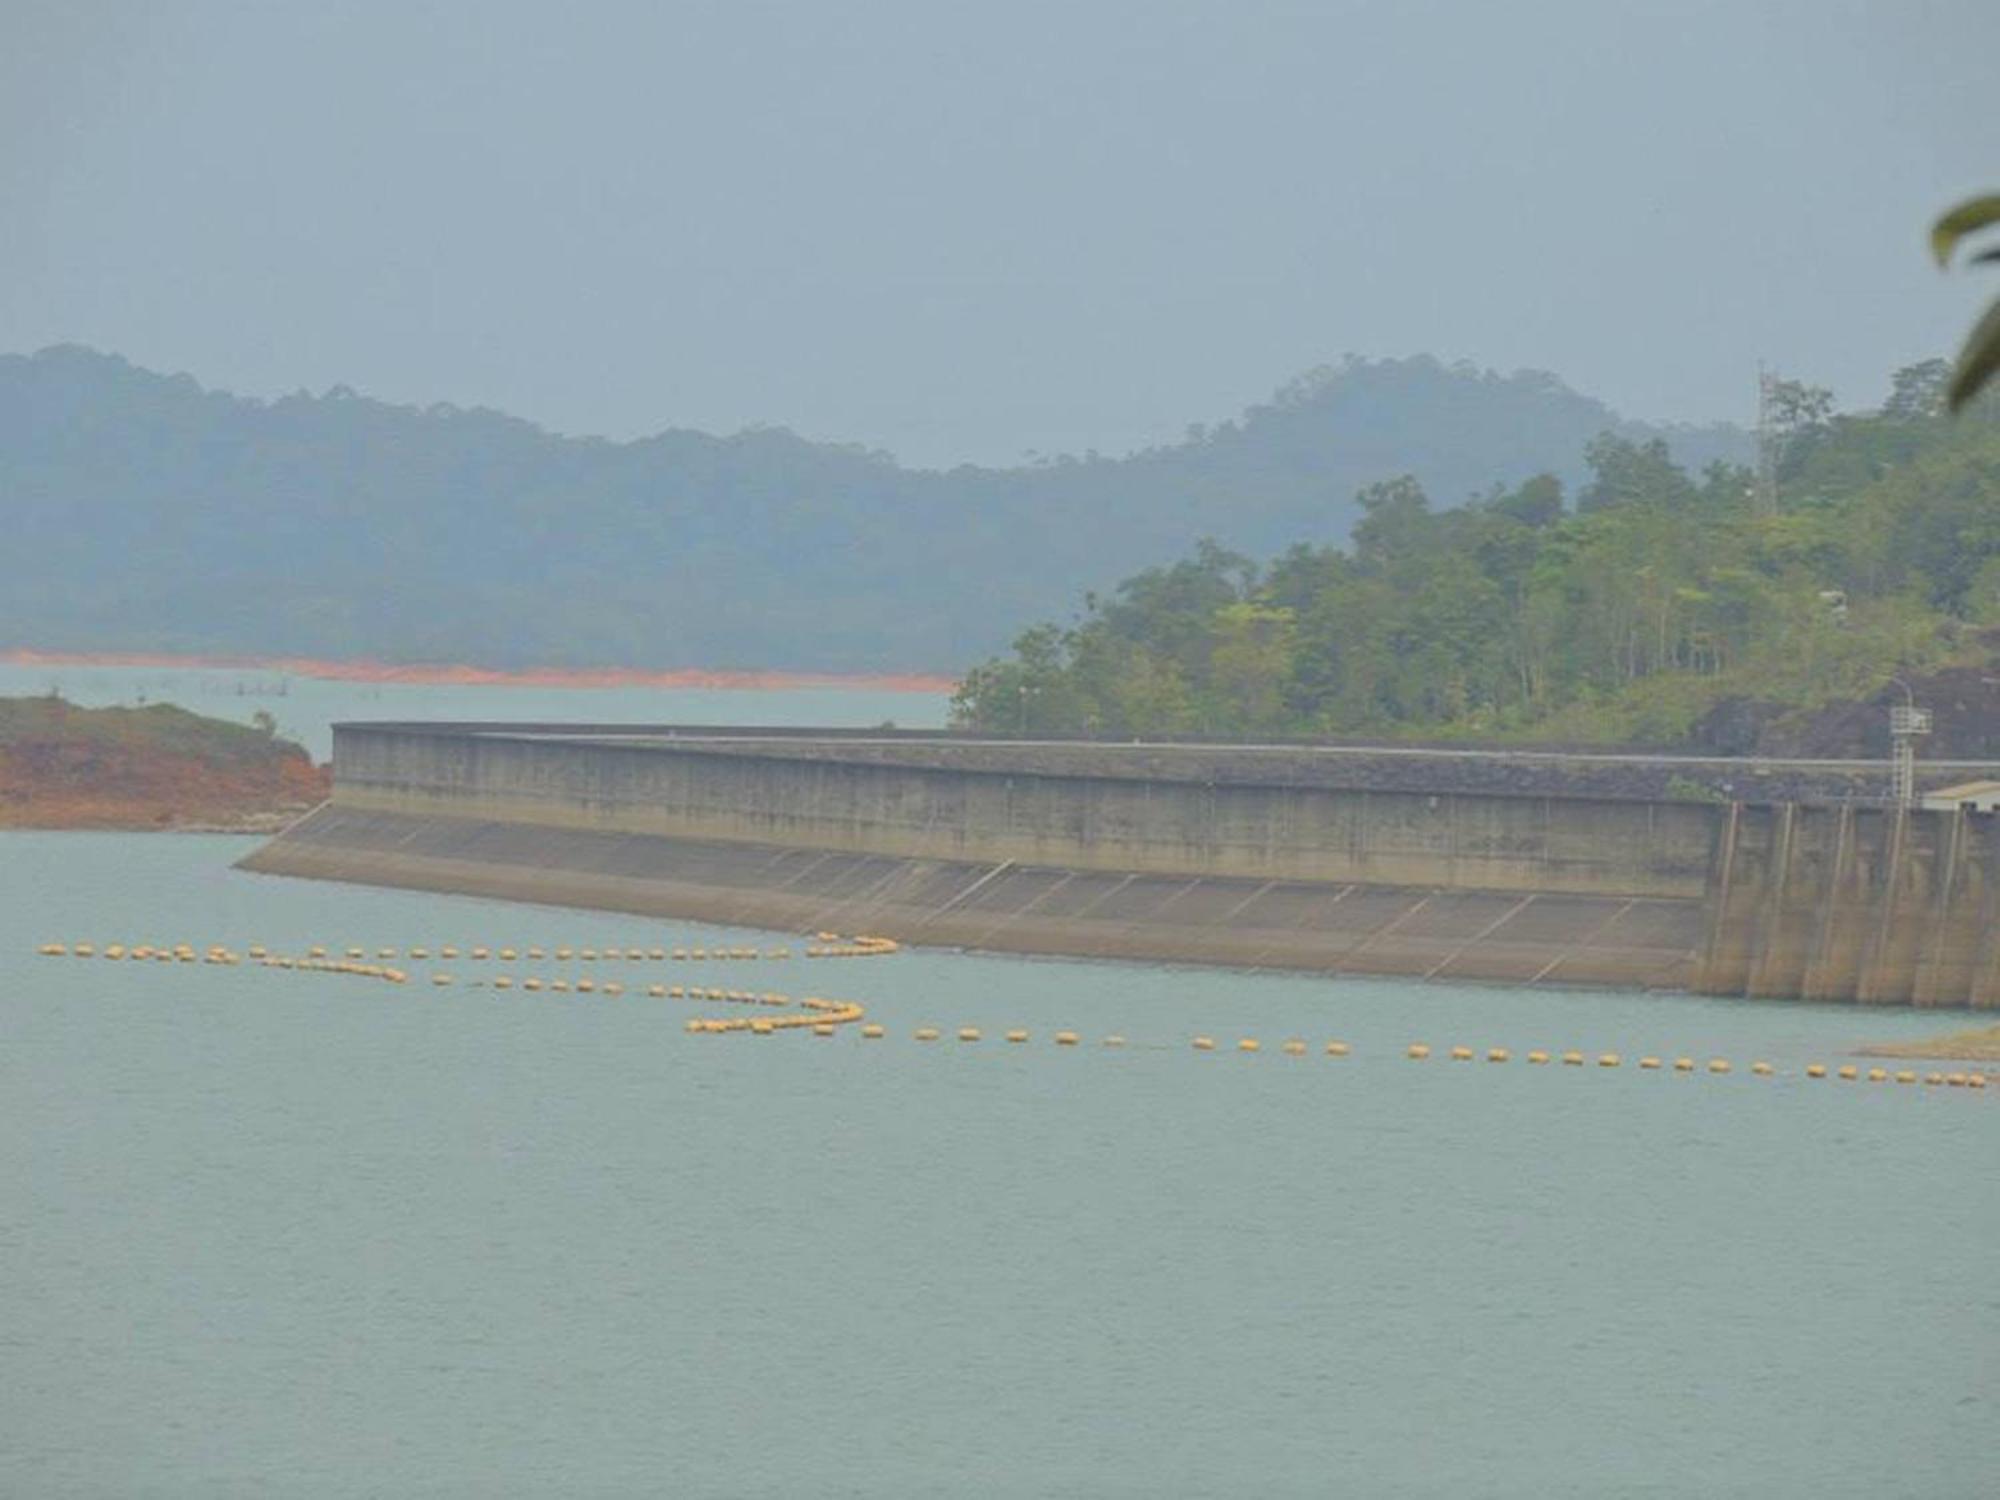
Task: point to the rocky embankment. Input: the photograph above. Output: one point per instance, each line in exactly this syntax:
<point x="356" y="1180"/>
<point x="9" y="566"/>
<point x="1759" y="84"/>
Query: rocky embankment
<point x="159" y="767"/>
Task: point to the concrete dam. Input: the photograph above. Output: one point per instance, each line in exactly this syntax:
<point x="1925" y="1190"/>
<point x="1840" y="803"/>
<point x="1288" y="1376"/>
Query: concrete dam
<point x="1212" y="854"/>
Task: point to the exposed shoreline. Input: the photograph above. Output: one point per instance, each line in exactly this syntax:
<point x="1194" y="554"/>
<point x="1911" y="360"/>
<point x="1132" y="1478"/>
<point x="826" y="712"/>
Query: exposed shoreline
<point x="158" y="768"/>
<point x="1982" y="1045"/>
<point x="456" y="674"/>
<point x="129" y="817"/>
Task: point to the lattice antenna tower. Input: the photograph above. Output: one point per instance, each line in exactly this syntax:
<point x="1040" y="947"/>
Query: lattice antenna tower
<point x="1906" y="723"/>
<point x="1764" y="496"/>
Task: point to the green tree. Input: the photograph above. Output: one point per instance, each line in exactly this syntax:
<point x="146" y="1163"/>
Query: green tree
<point x="1979" y="360"/>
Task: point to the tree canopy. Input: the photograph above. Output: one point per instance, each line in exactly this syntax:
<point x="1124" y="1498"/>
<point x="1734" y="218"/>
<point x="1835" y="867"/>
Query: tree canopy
<point x="1624" y="617"/>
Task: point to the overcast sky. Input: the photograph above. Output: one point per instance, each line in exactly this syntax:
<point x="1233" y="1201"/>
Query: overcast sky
<point x="961" y="232"/>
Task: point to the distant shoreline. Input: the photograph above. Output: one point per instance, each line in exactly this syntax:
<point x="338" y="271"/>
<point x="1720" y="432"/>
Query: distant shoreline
<point x="455" y="674"/>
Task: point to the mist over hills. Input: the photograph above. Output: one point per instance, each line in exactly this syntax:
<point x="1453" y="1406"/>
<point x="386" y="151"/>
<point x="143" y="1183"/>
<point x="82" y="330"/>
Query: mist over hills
<point x="143" y="511"/>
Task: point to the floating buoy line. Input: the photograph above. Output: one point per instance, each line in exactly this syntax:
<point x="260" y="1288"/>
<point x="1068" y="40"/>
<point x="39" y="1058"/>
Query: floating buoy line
<point x="821" y="1015"/>
<point x="825" y="1017"/>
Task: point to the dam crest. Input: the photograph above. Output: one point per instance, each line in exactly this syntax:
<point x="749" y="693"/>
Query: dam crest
<point x="1242" y="856"/>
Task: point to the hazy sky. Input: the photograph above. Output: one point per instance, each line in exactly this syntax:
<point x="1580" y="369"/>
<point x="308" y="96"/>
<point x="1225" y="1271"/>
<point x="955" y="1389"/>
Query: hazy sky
<point x="965" y="231"/>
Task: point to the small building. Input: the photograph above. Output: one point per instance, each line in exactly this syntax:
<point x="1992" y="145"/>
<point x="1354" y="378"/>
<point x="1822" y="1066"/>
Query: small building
<point x="1973" y="796"/>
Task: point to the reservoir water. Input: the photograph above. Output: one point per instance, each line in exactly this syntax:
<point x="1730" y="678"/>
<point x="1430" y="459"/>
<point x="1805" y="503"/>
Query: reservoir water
<point x="281" y="1234"/>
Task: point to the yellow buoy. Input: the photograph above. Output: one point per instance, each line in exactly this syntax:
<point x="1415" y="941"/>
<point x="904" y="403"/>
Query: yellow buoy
<point x="1847" y="1071"/>
<point x="1572" y="1059"/>
<point x="418" y="952"/>
<point x="559" y="986"/>
<point x="589" y="955"/>
<point x="538" y="953"/>
<point x="502" y="982"/>
<point x="1608" y="1060"/>
<point x="824" y="1028"/>
<point x="1933" y="1079"/>
<point x="1649" y="1063"/>
<point x="482" y="953"/>
<point x="565" y="954"/>
<point x="1956" y="1080"/>
<point x="1419" y="1051"/>
<point x="873" y="1031"/>
<point x="1249" y="1044"/>
<point x="440" y="979"/>
<point x="675" y="991"/>
<point x="53" y="950"/>
<point x="356" y="953"/>
<point x="586" y="986"/>
<point x="1204" y="1044"/>
<point x="1336" y="1049"/>
<point x="447" y="952"/>
<point x="1295" y="1047"/>
<point x="385" y="952"/>
<point x="1904" y="1075"/>
<point x="508" y="955"/>
<point x="1497" y="1054"/>
<point x="613" y="987"/>
<point x="531" y="984"/>
<point x="1461" y="1054"/>
<point x="1683" y="1065"/>
<point x="763" y="1027"/>
<point x="83" y="950"/>
<point x="1975" y="1080"/>
<point x="1538" y="1056"/>
<point x="1877" y="1075"/>
<point x="1718" y="1065"/>
<point x="968" y="1033"/>
<point x="1114" y="1040"/>
<point x="657" y="991"/>
<point x="1815" y="1070"/>
<point x="927" y="1033"/>
<point x="1762" y="1069"/>
<point x="1017" y="1036"/>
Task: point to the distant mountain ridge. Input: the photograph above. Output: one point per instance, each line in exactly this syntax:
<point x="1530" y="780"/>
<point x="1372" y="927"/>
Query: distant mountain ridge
<point x="144" y="511"/>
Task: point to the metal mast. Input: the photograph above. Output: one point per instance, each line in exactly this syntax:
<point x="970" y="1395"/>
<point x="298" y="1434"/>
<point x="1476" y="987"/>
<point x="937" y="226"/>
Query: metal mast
<point x="1764" y="497"/>
<point x="1906" y="722"/>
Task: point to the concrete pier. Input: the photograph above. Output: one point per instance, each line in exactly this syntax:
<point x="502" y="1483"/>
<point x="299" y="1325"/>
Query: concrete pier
<point x="1098" y="850"/>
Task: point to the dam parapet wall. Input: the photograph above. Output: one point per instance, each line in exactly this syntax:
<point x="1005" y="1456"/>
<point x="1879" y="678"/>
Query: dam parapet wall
<point x="1088" y="850"/>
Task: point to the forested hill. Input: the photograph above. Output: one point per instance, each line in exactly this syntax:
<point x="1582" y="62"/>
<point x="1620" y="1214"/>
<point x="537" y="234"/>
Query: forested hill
<point x="1651" y="605"/>
<point x="143" y="511"/>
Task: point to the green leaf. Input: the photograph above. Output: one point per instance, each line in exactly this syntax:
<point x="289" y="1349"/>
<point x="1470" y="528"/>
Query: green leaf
<point x="1968" y="218"/>
<point x="1977" y="361"/>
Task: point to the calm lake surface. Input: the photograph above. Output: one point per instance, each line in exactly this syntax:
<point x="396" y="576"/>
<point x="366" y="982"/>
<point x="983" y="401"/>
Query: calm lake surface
<point x="280" y="1234"/>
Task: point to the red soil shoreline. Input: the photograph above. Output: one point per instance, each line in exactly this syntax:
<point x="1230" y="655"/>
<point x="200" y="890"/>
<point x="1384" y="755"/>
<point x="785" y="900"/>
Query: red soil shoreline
<point x="458" y="675"/>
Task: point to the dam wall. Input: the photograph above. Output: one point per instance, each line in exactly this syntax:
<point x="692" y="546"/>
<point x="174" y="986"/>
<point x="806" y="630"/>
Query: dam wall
<point x="1094" y="851"/>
